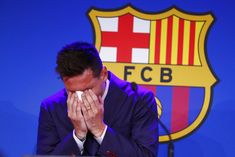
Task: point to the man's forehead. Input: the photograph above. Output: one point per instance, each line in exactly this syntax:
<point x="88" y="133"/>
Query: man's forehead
<point x="86" y="74"/>
<point x="80" y="82"/>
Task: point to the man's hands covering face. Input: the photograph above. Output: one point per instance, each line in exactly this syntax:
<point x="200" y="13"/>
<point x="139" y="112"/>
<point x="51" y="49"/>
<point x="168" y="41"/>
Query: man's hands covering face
<point x="86" y="114"/>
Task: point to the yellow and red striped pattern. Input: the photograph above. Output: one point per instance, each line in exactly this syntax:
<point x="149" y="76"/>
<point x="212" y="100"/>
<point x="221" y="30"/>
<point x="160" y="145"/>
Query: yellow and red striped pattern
<point x="175" y="41"/>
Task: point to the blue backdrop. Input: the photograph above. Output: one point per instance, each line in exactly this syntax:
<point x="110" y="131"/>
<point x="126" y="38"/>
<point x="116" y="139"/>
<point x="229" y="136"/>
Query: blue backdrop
<point x="31" y="33"/>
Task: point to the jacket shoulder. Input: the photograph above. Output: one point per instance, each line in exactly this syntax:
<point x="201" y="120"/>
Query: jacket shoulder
<point x="130" y="88"/>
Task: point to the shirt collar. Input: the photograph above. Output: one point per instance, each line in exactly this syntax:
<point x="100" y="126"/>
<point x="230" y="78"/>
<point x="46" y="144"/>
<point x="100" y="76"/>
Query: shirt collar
<point x="106" y="89"/>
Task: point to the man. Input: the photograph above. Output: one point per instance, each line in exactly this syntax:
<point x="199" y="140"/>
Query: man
<point x="112" y="118"/>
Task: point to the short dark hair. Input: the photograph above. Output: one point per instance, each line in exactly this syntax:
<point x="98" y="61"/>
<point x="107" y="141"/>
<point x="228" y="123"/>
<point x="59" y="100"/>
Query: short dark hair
<point x="77" y="57"/>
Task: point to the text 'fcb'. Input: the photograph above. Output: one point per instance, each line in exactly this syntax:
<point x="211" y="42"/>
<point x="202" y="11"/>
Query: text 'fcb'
<point x="147" y="73"/>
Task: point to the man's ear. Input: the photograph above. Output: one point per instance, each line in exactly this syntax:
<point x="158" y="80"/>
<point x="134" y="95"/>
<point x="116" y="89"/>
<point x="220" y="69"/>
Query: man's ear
<point x="104" y="73"/>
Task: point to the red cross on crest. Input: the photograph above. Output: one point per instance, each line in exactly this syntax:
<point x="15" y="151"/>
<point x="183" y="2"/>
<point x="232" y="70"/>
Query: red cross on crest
<point x="124" y="40"/>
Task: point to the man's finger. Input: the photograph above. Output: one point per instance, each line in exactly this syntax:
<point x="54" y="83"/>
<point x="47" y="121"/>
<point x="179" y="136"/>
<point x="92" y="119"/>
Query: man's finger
<point x="84" y="111"/>
<point x="85" y="101"/>
<point x="69" y="101"/>
<point x="91" y="101"/>
<point x="87" y="106"/>
<point x="101" y="101"/>
<point x="93" y="96"/>
<point x="78" y="109"/>
<point x="74" y="103"/>
<point x="94" y="100"/>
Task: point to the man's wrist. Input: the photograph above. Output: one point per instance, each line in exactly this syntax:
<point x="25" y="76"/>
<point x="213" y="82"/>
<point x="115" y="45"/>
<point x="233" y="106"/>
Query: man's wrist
<point x="100" y="132"/>
<point x="81" y="137"/>
<point x="79" y="142"/>
<point x="100" y="139"/>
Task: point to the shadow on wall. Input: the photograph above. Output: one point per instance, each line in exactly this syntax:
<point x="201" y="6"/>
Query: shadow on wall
<point x="18" y="131"/>
<point x="2" y="154"/>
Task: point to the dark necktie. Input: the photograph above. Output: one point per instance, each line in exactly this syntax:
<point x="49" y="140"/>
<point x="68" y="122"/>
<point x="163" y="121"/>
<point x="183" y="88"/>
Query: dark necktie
<point x="91" y="146"/>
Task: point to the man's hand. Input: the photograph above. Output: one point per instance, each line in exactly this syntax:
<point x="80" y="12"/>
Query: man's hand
<point x="93" y="112"/>
<point x="75" y="115"/>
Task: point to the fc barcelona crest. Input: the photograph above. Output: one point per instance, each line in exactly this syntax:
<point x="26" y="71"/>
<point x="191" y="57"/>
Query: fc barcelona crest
<point x="165" y="53"/>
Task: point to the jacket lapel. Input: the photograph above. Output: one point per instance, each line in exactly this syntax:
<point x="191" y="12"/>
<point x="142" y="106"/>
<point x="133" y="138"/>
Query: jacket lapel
<point x="114" y="99"/>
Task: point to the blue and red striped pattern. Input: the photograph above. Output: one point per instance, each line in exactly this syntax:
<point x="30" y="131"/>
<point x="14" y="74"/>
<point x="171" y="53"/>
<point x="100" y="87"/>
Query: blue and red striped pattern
<point x="180" y="105"/>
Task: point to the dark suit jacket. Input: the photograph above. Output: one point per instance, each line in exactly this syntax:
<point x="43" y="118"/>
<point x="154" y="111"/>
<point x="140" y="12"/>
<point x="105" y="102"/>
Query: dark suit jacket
<point x="130" y="114"/>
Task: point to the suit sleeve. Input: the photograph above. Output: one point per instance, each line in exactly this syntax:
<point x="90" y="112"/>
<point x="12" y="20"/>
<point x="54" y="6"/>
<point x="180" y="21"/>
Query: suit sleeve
<point x="48" y="140"/>
<point x="144" y="133"/>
